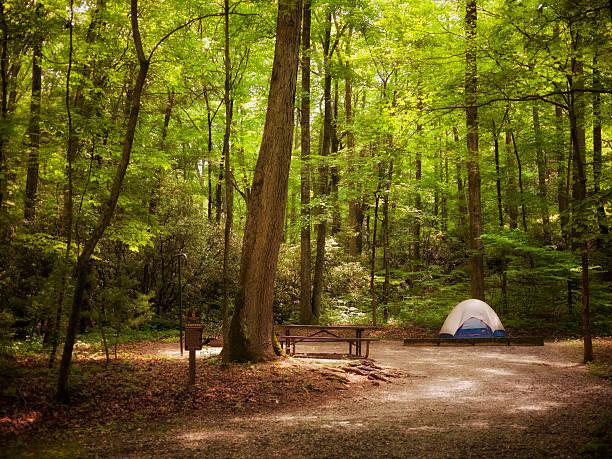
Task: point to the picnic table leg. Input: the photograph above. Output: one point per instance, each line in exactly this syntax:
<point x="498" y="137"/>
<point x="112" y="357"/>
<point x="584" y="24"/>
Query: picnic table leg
<point x="287" y="348"/>
<point x="351" y="348"/>
<point x="358" y="343"/>
<point x="367" y="350"/>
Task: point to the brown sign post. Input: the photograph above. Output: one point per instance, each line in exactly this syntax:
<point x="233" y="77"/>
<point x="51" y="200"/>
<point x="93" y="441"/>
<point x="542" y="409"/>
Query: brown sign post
<point x="193" y="341"/>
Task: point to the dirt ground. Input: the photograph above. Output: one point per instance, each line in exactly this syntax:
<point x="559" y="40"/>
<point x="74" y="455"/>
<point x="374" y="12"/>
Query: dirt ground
<point x="452" y="401"/>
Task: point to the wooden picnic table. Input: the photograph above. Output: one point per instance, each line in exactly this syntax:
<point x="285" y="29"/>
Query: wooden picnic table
<point x="326" y="333"/>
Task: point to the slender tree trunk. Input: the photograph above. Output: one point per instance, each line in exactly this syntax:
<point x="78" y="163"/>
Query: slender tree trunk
<point x="251" y="330"/>
<point x="520" y="182"/>
<point x="445" y="188"/>
<point x="218" y="193"/>
<point x="542" y="174"/>
<point x="597" y="155"/>
<point x="500" y="212"/>
<point x="4" y="102"/>
<point x="83" y="110"/>
<point x="229" y="188"/>
<point x="373" y="262"/>
<point x="471" y="113"/>
<point x="418" y="204"/>
<point x="385" y="235"/>
<point x="511" y="193"/>
<point x="335" y="173"/>
<point x="305" y="251"/>
<point x="561" y="158"/>
<point x="354" y="206"/>
<point x="34" y="134"/>
<point x="55" y="312"/>
<point x="209" y="123"/>
<point x="158" y="177"/>
<point x="84" y="260"/>
<point x="323" y="189"/>
<point x="461" y="204"/>
<point x="576" y="115"/>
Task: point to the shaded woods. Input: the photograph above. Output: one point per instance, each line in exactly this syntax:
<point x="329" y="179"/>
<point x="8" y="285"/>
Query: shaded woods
<point x="433" y="151"/>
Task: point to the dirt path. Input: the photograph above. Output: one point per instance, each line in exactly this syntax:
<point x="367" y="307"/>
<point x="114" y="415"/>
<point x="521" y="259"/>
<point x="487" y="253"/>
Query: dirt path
<point x="466" y="402"/>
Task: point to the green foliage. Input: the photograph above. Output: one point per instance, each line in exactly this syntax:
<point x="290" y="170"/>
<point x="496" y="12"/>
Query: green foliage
<point x="407" y="103"/>
<point x="601" y="445"/>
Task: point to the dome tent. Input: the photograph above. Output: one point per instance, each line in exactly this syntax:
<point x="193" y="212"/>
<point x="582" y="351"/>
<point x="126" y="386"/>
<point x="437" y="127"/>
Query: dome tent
<point x="472" y="319"/>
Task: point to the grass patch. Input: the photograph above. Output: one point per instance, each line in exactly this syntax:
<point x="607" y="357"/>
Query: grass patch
<point x="601" y="445"/>
<point x="601" y="369"/>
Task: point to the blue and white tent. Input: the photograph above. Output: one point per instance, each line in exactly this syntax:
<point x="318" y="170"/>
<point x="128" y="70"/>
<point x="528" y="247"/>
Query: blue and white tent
<point x="472" y="319"/>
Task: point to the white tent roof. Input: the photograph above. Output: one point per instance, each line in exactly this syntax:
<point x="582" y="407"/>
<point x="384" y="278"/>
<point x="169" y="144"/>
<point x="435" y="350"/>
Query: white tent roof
<point x="467" y="309"/>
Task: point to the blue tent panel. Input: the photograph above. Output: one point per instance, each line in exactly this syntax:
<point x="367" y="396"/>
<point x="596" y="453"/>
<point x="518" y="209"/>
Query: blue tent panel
<point x="474" y="328"/>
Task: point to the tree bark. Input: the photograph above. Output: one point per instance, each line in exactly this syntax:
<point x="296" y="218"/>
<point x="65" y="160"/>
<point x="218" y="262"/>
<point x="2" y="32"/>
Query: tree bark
<point x="602" y="221"/>
<point x="444" y="197"/>
<point x="29" y="208"/>
<point x="305" y="250"/>
<point x="520" y="181"/>
<point x="471" y="114"/>
<point x="373" y="262"/>
<point x="418" y="204"/>
<point x="576" y="115"/>
<point x="323" y="189"/>
<point x="511" y="191"/>
<point x="334" y="170"/>
<point x="4" y="96"/>
<point x="84" y="259"/>
<point x="229" y="188"/>
<point x="385" y="236"/>
<point x="251" y="328"/>
<point x="461" y="205"/>
<point x="542" y="174"/>
<point x="500" y="212"/>
<point x="354" y="205"/>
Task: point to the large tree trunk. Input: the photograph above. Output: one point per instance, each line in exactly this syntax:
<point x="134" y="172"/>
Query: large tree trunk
<point x="323" y="189"/>
<point x="305" y="251"/>
<point x="29" y="208"/>
<point x="84" y="260"/>
<point x="251" y="329"/>
<point x="471" y="117"/>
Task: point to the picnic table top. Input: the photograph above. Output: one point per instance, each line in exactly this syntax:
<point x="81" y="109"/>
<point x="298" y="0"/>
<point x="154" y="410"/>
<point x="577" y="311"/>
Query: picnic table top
<point x="328" y="327"/>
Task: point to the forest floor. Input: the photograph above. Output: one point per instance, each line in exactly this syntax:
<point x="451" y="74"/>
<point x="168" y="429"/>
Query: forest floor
<point x="433" y="402"/>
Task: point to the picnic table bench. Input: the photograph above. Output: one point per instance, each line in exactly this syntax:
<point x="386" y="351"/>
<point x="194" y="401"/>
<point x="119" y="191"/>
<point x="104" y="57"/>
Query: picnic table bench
<point x="288" y="337"/>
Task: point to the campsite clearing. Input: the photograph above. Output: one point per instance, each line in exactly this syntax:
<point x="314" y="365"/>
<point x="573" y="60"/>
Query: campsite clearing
<point x="467" y="401"/>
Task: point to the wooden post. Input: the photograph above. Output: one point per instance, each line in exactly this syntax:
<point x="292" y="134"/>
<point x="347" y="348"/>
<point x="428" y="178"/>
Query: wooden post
<point x="193" y="342"/>
<point x="192" y="367"/>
